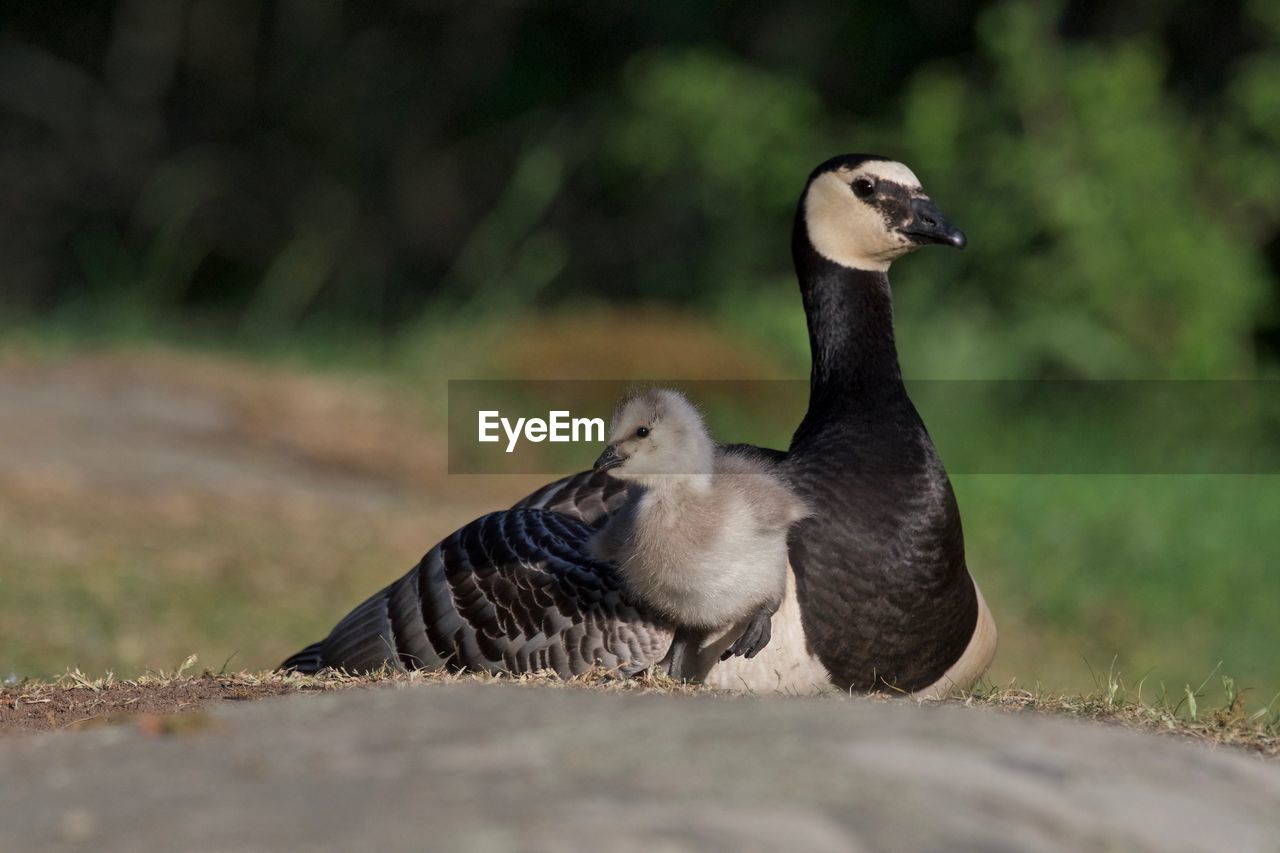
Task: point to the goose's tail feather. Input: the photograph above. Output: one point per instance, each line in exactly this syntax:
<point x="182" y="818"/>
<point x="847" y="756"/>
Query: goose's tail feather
<point x="309" y="661"/>
<point x="386" y="631"/>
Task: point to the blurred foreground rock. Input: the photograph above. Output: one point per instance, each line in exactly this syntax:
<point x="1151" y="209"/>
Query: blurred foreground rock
<point x="473" y="767"/>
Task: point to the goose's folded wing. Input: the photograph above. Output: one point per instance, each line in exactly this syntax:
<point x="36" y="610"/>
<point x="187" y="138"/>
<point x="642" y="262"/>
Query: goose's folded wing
<point x="512" y="592"/>
<point x="588" y="496"/>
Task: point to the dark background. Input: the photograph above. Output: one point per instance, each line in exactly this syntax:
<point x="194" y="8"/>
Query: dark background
<point x="244" y="170"/>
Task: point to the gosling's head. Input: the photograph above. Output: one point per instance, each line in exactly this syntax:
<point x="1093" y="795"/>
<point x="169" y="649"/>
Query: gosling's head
<point x="656" y="433"/>
<point x="864" y="211"/>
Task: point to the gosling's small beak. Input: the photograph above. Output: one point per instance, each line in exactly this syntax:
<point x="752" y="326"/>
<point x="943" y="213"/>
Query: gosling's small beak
<point x="609" y="459"/>
<point x="928" y="225"/>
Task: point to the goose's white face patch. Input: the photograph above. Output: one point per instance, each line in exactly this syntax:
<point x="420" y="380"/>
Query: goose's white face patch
<point x="862" y="232"/>
<point x="888" y="170"/>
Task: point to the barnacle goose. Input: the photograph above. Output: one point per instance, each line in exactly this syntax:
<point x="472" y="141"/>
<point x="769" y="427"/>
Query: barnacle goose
<point x="878" y="595"/>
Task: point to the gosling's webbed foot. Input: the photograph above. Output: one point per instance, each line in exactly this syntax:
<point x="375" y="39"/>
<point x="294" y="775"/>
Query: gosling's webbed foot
<point x="754" y="638"/>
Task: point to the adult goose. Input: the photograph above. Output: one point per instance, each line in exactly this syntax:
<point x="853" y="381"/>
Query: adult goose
<point x="878" y="595"/>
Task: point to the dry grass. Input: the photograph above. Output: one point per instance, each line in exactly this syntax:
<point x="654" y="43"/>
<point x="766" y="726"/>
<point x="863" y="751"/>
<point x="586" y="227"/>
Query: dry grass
<point x="155" y="702"/>
<point x="159" y="703"/>
<point x="1229" y="725"/>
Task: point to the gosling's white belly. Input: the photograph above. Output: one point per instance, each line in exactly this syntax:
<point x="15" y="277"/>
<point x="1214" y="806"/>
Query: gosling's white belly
<point x="783" y="666"/>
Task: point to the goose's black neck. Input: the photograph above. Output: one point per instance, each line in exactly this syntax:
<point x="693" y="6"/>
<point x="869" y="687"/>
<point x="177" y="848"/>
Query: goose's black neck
<point x="850" y="316"/>
<point x="884" y="547"/>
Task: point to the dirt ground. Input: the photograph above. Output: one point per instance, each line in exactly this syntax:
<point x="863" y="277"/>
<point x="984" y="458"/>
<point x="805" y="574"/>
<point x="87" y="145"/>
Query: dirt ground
<point x="176" y="704"/>
<point x="162" y="705"/>
<point x="149" y="705"/>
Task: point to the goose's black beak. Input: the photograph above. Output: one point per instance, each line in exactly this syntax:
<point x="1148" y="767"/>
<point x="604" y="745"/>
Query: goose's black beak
<point x="928" y="225"/>
<point x="608" y="459"/>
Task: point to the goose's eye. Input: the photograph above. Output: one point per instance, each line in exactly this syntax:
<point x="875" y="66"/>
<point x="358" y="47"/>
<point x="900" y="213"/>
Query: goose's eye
<point x="642" y="432"/>
<point x="863" y="188"/>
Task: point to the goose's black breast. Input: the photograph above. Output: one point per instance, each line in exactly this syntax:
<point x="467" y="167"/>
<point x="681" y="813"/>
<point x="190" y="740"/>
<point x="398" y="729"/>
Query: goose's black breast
<point x="885" y="597"/>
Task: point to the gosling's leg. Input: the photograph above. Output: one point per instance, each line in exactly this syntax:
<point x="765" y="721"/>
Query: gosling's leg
<point x="684" y="648"/>
<point x="756" y="636"/>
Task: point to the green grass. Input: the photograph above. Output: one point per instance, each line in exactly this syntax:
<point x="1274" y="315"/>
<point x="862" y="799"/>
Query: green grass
<point x="1171" y="574"/>
<point x="1188" y="716"/>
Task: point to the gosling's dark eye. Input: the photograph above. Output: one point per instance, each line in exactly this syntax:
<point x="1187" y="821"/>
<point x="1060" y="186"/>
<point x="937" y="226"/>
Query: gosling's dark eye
<point x="863" y="188"/>
<point x="642" y="432"/>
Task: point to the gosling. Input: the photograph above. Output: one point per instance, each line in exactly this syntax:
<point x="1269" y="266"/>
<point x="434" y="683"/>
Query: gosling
<point x="702" y="537"/>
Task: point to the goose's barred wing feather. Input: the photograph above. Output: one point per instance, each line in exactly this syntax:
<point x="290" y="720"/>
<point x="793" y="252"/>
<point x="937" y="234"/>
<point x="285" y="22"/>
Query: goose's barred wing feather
<point x="513" y="591"/>
<point x="588" y="496"/>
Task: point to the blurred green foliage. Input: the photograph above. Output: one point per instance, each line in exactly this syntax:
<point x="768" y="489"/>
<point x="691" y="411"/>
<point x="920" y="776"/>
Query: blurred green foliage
<point x="261" y="170"/>
<point x="1112" y="230"/>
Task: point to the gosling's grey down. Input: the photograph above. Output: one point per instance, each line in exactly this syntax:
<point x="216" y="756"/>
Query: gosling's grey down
<point x="702" y="538"/>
